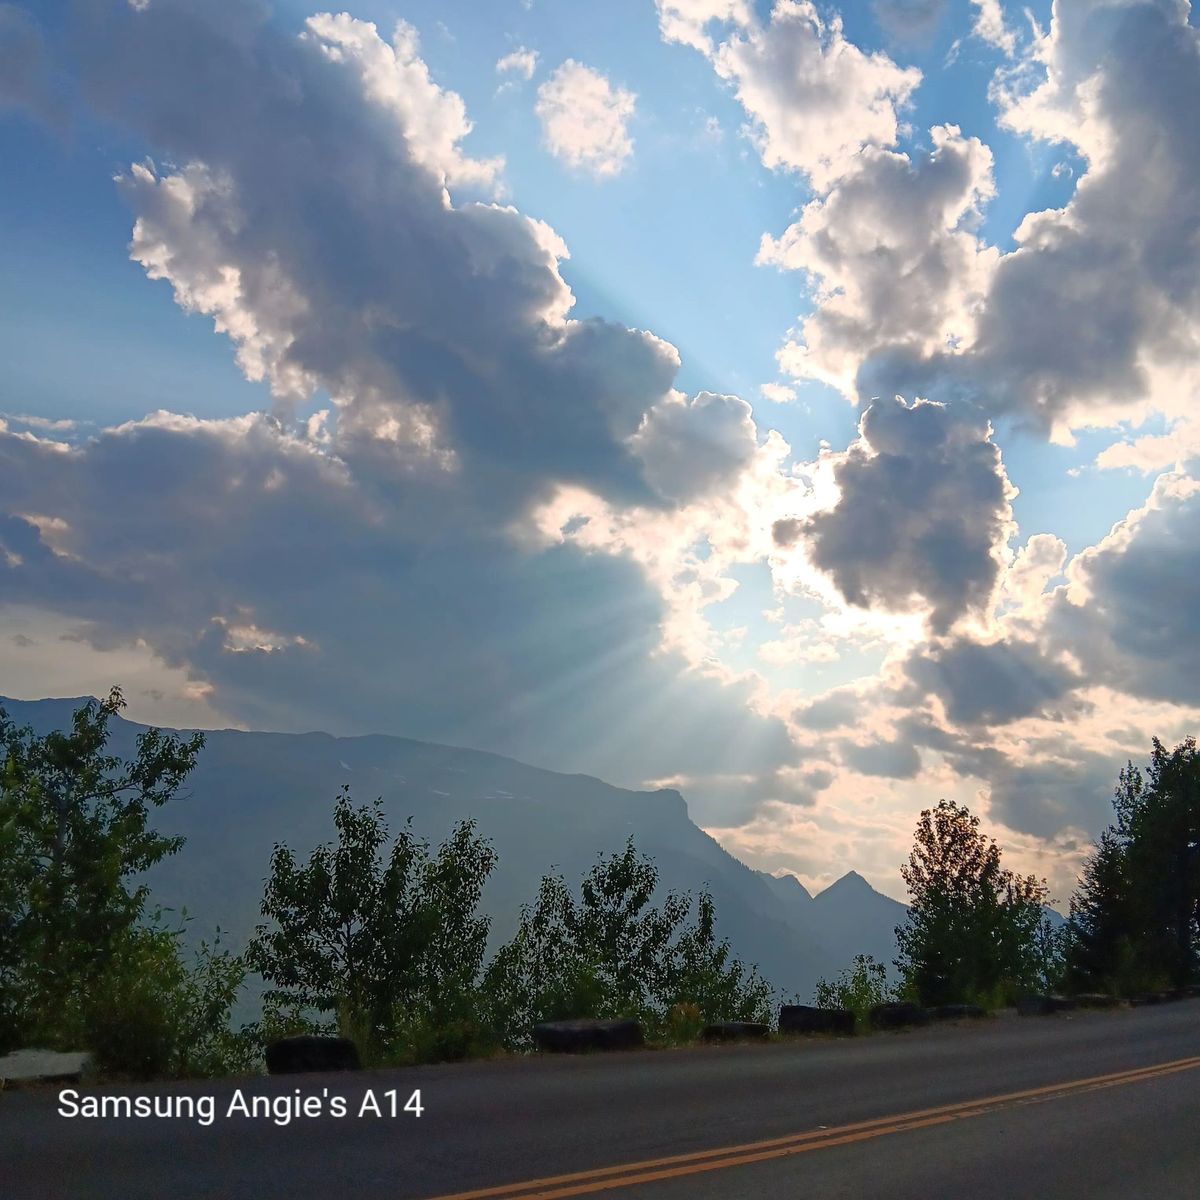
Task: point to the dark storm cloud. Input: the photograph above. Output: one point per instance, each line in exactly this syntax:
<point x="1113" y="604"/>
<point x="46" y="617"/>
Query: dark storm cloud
<point x="923" y="512"/>
<point x="888" y="760"/>
<point x="829" y="711"/>
<point x="991" y="683"/>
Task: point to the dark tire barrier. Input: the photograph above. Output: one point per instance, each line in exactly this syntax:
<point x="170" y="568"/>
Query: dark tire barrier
<point x="1187" y="992"/>
<point x="957" y="1012"/>
<point x="1096" y="1000"/>
<point x="801" y="1018"/>
<point x="308" y="1052"/>
<point x="898" y="1016"/>
<point x="735" y="1031"/>
<point x="1145" y="998"/>
<point x="574" y="1037"/>
<point x="1043" y="1006"/>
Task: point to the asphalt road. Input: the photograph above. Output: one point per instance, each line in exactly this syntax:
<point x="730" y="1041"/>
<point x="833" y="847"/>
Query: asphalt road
<point x="1098" y="1104"/>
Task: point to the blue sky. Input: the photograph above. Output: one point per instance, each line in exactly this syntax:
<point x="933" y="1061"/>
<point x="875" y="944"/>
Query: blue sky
<point x="1010" y="273"/>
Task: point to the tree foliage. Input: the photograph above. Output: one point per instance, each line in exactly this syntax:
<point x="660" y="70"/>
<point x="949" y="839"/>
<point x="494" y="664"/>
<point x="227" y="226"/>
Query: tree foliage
<point x="82" y="962"/>
<point x="75" y="836"/>
<point x="614" y="953"/>
<point x="385" y="940"/>
<point x="973" y="927"/>
<point x="1135" y="917"/>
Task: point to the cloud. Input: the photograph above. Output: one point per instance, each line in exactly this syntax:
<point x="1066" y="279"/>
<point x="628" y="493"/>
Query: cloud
<point x="1131" y="606"/>
<point x="519" y="62"/>
<point x="1055" y="794"/>
<point x="308" y="590"/>
<point x="923" y="515"/>
<point x="684" y="21"/>
<point x="814" y="99"/>
<point x="831" y="711"/>
<point x="892" y="255"/>
<point x="1092" y="318"/>
<point x="1152" y="453"/>
<point x="585" y="119"/>
<point x="737" y="797"/>
<point x="889" y="760"/>
<point x="1039" y="561"/>
<point x="396" y="80"/>
<point x="778" y="393"/>
<point x="380" y="564"/>
<point x="989" y="27"/>
<point x="992" y="683"/>
<point x="691" y="447"/>
<point x="506" y="526"/>
<point x="441" y="331"/>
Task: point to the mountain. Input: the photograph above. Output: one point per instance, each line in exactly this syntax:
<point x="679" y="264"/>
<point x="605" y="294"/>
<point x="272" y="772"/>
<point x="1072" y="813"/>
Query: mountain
<point x="852" y="914"/>
<point x="849" y="917"/>
<point x="251" y="790"/>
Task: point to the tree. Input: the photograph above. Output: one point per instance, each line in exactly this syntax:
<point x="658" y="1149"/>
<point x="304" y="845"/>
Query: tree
<point x="1135" y="917"/>
<point x="387" y="943"/>
<point x="702" y="971"/>
<point x="1099" y="941"/>
<point x="74" y="836"/>
<point x="613" y="953"/>
<point x="973" y="926"/>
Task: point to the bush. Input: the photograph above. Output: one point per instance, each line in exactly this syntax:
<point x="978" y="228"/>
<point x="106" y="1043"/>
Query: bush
<point x="858" y="988"/>
<point x="683" y="1025"/>
<point x="151" y="1015"/>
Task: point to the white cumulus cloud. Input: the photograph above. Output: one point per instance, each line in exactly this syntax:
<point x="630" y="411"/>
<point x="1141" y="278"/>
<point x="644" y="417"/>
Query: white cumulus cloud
<point x="585" y="119"/>
<point x="519" y="62"/>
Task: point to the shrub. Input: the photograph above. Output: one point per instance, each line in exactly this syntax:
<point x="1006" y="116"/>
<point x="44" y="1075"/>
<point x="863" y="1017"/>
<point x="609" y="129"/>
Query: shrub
<point x="858" y="988"/>
<point x="683" y="1025"/>
<point x="151" y="1015"/>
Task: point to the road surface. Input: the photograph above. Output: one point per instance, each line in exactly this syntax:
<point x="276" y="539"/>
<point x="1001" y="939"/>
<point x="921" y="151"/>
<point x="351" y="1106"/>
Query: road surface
<point x="1095" y="1104"/>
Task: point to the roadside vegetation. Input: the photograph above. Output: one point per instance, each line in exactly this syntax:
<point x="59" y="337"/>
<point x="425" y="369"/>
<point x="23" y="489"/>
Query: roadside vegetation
<point x="859" y="988"/>
<point x="380" y="936"/>
<point x="376" y="936"/>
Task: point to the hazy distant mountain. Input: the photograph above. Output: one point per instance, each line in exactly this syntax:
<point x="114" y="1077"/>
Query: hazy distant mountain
<point x="251" y="790"/>
<point x="849" y="917"/>
<point x="790" y="890"/>
<point x="851" y="914"/>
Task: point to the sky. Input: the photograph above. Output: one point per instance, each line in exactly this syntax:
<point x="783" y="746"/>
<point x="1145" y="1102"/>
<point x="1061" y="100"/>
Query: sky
<point x="791" y="404"/>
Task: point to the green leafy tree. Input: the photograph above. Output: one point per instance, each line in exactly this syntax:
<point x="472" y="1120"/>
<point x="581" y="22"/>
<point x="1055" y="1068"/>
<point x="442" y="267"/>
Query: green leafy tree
<point x="543" y="973"/>
<point x="75" y="836"/>
<point x="702" y="971"/>
<point x="973" y="927"/>
<point x="858" y="988"/>
<point x="385" y="941"/>
<point x="614" y="953"/>
<point x="1135" y="917"/>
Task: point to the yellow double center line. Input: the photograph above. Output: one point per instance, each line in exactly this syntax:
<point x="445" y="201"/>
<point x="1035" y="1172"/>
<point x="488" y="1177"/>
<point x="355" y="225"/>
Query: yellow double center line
<point x="558" y="1187"/>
